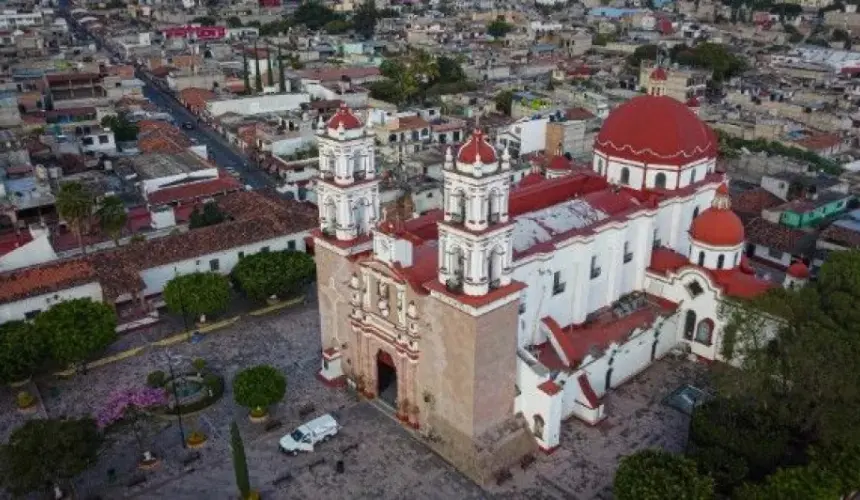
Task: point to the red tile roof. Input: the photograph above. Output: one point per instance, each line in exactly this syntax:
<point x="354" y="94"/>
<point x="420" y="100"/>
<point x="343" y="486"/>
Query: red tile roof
<point x="12" y="241"/>
<point x="740" y="282"/>
<point x="196" y="98"/>
<point x="44" y="279"/>
<point x="578" y="341"/>
<point x="550" y="388"/>
<point x="777" y="236"/>
<point x="841" y="236"/>
<point x="752" y="202"/>
<point x="587" y="391"/>
<point x="194" y="191"/>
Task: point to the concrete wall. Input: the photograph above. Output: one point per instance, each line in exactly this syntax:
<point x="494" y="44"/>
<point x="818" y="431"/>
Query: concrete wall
<point x="18" y="310"/>
<point x="156" y="278"/>
<point x="258" y="104"/>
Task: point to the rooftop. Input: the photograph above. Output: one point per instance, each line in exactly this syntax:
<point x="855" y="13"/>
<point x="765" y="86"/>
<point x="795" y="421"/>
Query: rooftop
<point x="154" y="166"/>
<point x="542" y="225"/>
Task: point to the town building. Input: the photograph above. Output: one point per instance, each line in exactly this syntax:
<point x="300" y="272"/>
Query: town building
<point x="681" y="84"/>
<point x="490" y="321"/>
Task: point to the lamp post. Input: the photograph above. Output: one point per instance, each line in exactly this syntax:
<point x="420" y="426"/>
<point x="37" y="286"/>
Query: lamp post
<point x="176" y="399"/>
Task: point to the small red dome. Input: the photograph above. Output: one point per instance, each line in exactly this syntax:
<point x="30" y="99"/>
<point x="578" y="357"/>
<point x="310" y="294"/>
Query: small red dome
<point x="559" y="162"/>
<point x="798" y="270"/>
<point x="344" y="117"/>
<point x="476" y="147"/>
<point x="656" y="129"/>
<point x="659" y="74"/>
<point x="718" y="226"/>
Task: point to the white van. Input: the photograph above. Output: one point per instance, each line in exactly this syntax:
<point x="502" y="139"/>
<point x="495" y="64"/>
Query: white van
<point x="306" y="436"/>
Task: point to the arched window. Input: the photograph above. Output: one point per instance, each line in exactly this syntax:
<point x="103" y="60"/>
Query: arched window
<point x="689" y="324"/>
<point x="695" y="212"/>
<point x="692" y="176"/>
<point x="538" y="427"/>
<point x="625" y="176"/>
<point x="660" y="181"/>
<point x="701" y="258"/>
<point x="600" y="166"/>
<point x="721" y="261"/>
<point x="704" y="331"/>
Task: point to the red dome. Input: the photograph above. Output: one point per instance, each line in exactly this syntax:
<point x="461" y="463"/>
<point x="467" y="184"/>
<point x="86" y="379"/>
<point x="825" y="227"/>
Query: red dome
<point x="656" y="129"/>
<point x="718" y="226"/>
<point x="559" y="163"/>
<point x="476" y="146"/>
<point x="344" y="117"/>
<point x="659" y="74"/>
<point x="798" y="270"/>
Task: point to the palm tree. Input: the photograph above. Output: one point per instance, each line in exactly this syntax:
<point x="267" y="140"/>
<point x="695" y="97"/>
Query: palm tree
<point x="75" y="205"/>
<point x="112" y="217"/>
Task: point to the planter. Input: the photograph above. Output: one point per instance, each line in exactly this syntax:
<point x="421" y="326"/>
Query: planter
<point x="258" y="416"/>
<point x="26" y="402"/>
<point x="148" y="462"/>
<point x="20" y="383"/>
<point x="196" y="440"/>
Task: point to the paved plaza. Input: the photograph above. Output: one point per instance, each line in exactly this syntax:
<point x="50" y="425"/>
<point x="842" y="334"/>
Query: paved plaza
<point x="381" y="458"/>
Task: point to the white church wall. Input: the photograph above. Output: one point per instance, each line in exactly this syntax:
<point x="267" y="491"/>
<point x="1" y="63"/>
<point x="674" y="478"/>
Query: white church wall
<point x="705" y="305"/>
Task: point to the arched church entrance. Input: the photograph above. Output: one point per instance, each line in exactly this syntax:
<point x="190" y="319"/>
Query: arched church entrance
<point x="386" y="378"/>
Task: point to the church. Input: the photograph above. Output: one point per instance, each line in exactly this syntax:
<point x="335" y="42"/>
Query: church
<point x="489" y="322"/>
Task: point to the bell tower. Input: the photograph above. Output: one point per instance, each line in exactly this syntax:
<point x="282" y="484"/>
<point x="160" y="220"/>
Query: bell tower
<point x="475" y="247"/>
<point x="347" y="191"/>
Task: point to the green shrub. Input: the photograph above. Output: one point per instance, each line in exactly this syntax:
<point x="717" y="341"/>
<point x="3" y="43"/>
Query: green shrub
<point x="726" y="469"/>
<point x="742" y="430"/>
<point x="156" y="379"/>
<point x="199" y="364"/>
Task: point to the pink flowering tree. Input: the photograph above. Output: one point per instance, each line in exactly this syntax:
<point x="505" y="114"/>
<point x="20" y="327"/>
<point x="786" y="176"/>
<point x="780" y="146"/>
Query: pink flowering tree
<point x="130" y="406"/>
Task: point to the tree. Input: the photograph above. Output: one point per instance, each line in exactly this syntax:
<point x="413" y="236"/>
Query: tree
<point x="246" y="71"/>
<point x="642" y="53"/>
<point x="197" y="294"/>
<point x="258" y="77"/>
<point x="22" y="350"/>
<point x="797" y="352"/>
<point x="75" y="205"/>
<point x="258" y="388"/>
<point x="265" y="274"/>
<point x="658" y="475"/>
<point x="112" y="217"/>
<point x="130" y="408"/>
<point x="46" y="453"/>
<point x="337" y="27"/>
<point x="234" y="22"/>
<point x="314" y="15"/>
<point x="282" y="73"/>
<point x="364" y="20"/>
<point x="240" y="462"/>
<point x="209" y="216"/>
<point x="271" y="73"/>
<point x="205" y="20"/>
<point x="77" y="329"/>
<point x="123" y="130"/>
<point x="504" y="100"/>
<point x="499" y="28"/>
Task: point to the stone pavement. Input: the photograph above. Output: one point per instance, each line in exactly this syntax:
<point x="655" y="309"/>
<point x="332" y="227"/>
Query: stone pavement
<point x="388" y="462"/>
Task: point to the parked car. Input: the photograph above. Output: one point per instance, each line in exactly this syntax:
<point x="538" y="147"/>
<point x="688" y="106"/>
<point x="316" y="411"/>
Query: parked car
<point x="306" y="436"/>
<point x="188" y="126"/>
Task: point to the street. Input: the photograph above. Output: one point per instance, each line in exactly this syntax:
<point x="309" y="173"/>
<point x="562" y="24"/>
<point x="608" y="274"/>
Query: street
<point x="219" y="151"/>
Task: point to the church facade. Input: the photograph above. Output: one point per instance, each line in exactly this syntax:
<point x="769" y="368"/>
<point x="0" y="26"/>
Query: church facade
<point x="489" y="322"/>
